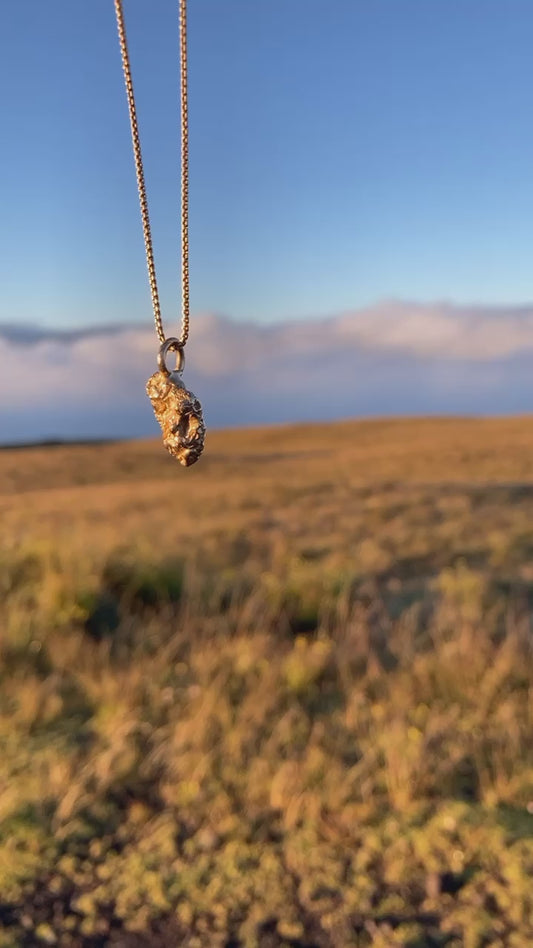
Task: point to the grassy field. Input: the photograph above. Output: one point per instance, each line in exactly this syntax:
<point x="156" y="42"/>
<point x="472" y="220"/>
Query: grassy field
<point x="281" y="699"/>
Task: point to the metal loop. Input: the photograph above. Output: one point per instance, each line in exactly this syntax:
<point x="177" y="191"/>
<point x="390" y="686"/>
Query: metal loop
<point x="171" y="345"/>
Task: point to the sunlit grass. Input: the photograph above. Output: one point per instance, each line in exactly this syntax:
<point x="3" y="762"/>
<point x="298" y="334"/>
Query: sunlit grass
<point x="282" y="699"/>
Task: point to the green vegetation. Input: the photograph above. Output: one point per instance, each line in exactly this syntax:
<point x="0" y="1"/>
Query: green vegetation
<point x="282" y="699"/>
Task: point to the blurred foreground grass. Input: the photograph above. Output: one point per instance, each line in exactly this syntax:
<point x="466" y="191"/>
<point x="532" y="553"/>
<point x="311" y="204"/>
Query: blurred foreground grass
<point x="281" y="699"/>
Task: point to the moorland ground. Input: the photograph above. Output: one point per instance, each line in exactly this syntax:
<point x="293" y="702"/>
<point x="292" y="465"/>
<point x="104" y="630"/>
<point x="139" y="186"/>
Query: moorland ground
<point x="283" y="698"/>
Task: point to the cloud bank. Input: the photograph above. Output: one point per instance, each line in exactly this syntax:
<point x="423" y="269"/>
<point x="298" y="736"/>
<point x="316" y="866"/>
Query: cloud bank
<point x="392" y="358"/>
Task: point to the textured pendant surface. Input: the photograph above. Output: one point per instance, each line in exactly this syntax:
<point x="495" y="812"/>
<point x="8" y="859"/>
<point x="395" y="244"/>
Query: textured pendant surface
<point x="179" y="413"/>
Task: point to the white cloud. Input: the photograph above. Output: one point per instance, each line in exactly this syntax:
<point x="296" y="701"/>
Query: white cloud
<point x="393" y="357"/>
<point x="442" y="330"/>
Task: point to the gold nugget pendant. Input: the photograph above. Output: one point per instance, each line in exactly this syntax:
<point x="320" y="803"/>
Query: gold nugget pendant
<point x="177" y="410"/>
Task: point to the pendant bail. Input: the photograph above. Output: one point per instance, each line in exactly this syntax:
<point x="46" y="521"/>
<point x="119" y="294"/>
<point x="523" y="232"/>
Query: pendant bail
<point x="172" y="344"/>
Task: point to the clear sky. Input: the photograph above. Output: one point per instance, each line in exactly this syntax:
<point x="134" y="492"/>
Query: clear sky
<point x="342" y="152"/>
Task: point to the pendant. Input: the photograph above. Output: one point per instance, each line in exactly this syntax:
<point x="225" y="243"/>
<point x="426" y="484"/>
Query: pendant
<point x="177" y="410"/>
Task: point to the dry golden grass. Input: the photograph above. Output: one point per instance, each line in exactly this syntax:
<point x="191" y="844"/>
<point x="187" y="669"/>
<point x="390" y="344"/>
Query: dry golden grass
<point x="281" y="699"/>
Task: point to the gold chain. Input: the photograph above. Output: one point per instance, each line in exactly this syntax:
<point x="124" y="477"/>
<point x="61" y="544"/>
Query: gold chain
<point x="143" y="200"/>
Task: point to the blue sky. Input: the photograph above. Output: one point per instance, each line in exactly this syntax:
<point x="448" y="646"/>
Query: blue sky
<point x="341" y="153"/>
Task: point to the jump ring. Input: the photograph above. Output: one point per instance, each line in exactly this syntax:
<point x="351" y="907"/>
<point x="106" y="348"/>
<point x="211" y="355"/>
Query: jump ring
<point x="171" y="345"/>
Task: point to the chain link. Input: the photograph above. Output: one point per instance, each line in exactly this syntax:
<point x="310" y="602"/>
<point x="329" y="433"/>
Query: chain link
<point x="137" y="154"/>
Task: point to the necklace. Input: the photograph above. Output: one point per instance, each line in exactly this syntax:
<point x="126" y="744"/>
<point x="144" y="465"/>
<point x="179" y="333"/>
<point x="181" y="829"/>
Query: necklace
<point x="177" y="410"/>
